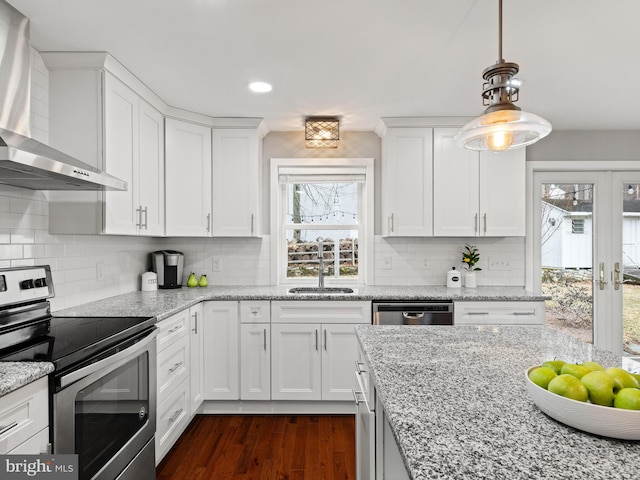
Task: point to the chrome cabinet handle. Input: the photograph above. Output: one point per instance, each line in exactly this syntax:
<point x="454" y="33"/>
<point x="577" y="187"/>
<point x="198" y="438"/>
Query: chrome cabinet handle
<point x="325" y="339"/>
<point x="265" y="339"/>
<point x="175" y="367"/>
<point x="477" y="313"/>
<point x="6" y="428"/>
<point x="139" y="214"/>
<point x="392" y="223"/>
<point x="252" y="224"/>
<point x="616" y="276"/>
<point x="176" y="414"/>
<point x="484" y="219"/>
<point x="146" y="217"/>
<point x="524" y="313"/>
<point x="174" y="329"/>
<point x="355" y="397"/>
<point x="208" y="222"/>
<point x="316" y="339"/>
<point x="475" y="223"/>
<point x="195" y="330"/>
<point x="601" y="281"/>
<point x="358" y="369"/>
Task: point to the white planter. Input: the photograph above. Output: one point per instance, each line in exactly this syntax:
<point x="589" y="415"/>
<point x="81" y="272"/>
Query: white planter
<point x="470" y="279"/>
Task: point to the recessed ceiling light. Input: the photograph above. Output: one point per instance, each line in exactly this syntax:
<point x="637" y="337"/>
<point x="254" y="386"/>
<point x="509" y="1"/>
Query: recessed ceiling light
<point x="260" y="87"/>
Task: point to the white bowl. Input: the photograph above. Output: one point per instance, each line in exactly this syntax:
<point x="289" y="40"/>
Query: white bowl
<point x="606" y="421"/>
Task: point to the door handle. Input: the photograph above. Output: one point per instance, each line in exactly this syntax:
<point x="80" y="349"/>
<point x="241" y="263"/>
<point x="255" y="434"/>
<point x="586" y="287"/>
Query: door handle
<point x="484" y="219"/>
<point x="391" y="227"/>
<point x="601" y="280"/>
<point x="616" y="276"/>
<point x="325" y="339"/>
<point x="316" y="339"/>
<point x="208" y="222"/>
<point x="265" y="339"/>
<point x="355" y="396"/>
<point x="146" y="217"/>
<point x="252" y="224"/>
<point x="139" y="215"/>
<point x="475" y="223"/>
<point x="195" y="329"/>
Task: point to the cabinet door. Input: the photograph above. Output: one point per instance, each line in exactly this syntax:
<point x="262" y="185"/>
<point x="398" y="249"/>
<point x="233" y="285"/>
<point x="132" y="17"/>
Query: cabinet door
<point x="407" y="182"/>
<point x="221" y="355"/>
<point x="235" y="183"/>
<point x="255" y="370"/>
<point x="502" y="193"/>
<point x="196" y="348"/>
<point x="121" y="155"/>
<point x="188" y="179"/>
<point x="455" y="187"/>
<point x="339" y="353"/>
<point x="295" y="362"/>
<point x="151" y="170"/>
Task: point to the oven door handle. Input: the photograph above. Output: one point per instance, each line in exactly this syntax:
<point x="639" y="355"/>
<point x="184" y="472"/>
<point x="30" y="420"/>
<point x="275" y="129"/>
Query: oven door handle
<point x="109" y="361"/>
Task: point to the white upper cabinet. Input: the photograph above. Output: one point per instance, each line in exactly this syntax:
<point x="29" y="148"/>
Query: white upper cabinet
<point x="407" y="178"/>
<point x="101" y="121"/>
<point x="236" y="182"/>
<point x="477" y="194"/>
<point x="188" y="179"/>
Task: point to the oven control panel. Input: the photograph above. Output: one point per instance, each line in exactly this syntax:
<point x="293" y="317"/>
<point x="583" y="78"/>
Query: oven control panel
<point x="25" y="284"/>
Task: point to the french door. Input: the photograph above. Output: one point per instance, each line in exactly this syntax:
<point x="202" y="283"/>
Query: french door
<point x="586" y="250"/>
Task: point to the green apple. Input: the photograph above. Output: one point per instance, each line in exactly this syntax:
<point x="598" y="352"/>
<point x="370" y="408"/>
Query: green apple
<point x="596" y="367"/>
<point x="541" y="376"/>
<point x="569" y="386"/>
<point x="637" y="376"/>
<point x="574" y="369"/>
<point x="628" y="398"/>
<point x="626" y="379"/>
<point x="602" y="387"/>
<point x="554" y="365"/>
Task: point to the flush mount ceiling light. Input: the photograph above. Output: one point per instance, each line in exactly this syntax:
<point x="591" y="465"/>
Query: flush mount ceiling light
<point x="260" y="87"/>
<point x="503" y="125"/>
<point x="321" y="132"/>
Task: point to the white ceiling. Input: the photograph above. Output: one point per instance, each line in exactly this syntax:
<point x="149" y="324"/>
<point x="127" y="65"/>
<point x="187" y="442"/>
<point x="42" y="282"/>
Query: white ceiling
<point x="362" y="59"/>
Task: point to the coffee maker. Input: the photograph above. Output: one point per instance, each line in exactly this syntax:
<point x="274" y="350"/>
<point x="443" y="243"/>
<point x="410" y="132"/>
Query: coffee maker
<point x="168" y="265"/>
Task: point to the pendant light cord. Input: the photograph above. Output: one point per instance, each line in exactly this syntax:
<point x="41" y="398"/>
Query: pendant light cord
<point x="500" y="59"/>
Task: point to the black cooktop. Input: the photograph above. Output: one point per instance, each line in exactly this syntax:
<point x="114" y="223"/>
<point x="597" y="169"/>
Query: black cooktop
<point x="66" y="341"/>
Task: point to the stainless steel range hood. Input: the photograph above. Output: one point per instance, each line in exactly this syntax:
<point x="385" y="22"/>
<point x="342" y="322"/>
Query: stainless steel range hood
<point x="25" y="162"/>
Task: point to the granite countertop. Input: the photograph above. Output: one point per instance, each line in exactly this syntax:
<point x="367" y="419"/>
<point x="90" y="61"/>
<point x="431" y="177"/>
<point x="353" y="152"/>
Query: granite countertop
<point x="14" y="375"/>
<point x="457" y="404"/>
<point x="163" y="303"/>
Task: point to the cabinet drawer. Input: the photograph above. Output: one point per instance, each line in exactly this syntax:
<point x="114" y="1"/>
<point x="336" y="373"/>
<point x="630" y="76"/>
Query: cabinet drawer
<point x="172" y="328"/>
<point x="255" y="312"/>
<point x="172" y="366"/>
<point x="499" y="313"/>
<point x="23" y="413"/>
<point x="36" y="445"/>
<point x="172" y="418"/>
<point x="320" y="311"/>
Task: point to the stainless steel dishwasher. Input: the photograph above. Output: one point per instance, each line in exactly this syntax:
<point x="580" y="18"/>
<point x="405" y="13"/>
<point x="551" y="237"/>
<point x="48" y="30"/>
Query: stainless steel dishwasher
<point x="413" y="313"/>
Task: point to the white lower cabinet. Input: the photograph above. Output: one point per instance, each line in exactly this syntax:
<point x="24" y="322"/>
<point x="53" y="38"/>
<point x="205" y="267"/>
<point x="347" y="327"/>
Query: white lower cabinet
<point x="173" y="381"/>
<point x="221" y="353"/>
<point x="255" y="348"/>
<point x="24" y="419"/>
<point x="196" y="350"/>
<point x="314" y="346"/>
<point x="498" y="313"/>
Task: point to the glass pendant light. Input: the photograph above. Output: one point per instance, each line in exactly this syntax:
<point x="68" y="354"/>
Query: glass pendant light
<point x="503" y="125"/>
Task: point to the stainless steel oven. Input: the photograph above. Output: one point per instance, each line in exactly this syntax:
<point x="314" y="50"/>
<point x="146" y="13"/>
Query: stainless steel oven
<point x="413" y="313"/>
<point x="102" y="390"/>
<point x="105" y="412"/>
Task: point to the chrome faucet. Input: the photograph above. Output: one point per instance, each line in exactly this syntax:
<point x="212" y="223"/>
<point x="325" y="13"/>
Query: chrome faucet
<point x="321" y="271"/>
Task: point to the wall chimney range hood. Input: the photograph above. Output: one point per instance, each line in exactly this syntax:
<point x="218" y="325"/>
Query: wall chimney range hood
<point x="25" y="162"/>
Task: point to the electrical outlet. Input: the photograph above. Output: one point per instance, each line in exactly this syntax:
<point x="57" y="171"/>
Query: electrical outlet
<point x="216" y="265"/>
<point x="499" y="263"/>
<point x="386" y="263"/>
<point x="99" y="271"/>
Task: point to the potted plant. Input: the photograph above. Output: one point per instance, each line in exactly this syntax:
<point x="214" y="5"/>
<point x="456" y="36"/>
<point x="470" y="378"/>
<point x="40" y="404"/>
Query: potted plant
<point x="470" y="257"/>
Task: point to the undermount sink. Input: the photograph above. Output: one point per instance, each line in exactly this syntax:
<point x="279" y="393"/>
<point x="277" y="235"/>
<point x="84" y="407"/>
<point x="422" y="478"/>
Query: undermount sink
<point x="321" y="291"/>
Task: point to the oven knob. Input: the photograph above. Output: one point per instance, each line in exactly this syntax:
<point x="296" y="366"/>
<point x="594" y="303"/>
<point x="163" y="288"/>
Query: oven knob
<point x="26" y="284"/>
<point x="142" y="413"/>
<point x="41" y="282"/>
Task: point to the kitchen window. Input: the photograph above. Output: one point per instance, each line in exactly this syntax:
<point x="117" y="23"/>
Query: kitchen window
<point x="322" y="207"/>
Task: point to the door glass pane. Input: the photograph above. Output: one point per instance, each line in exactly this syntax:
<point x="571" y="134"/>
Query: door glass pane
<point x="631" y="268"/>
<point x="567" y="257"/>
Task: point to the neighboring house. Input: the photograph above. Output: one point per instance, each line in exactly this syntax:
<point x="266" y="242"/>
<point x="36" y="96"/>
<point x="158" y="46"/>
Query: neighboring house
<point x="567" y="234"/>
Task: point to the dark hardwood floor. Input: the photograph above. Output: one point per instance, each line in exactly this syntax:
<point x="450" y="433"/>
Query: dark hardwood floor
<point x="263" y="447"/>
